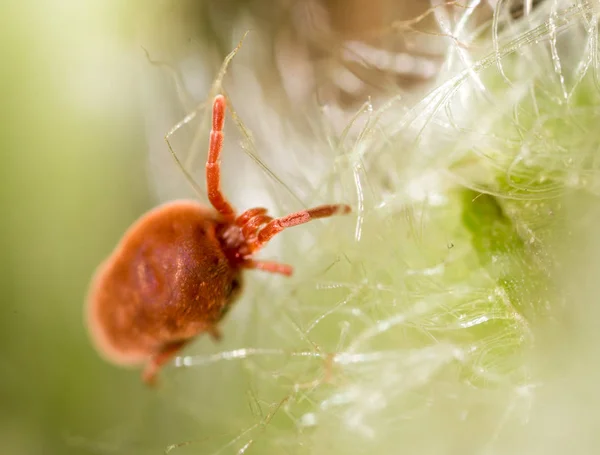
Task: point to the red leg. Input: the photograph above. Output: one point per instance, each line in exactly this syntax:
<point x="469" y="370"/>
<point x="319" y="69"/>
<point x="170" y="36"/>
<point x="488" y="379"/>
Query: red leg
<point x="213" y="165"/>
<point x="157" y="361"/>
<point x="214" y="333"/>
<point x="294" y="219"/>
<point x="250" y="213"/>
<point x="253" y="224"/>
<point x="267" y="266"/>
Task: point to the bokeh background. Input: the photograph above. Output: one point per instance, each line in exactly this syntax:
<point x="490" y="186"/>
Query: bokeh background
<point x="88" y="91"/>
<point x="73" y="177"/>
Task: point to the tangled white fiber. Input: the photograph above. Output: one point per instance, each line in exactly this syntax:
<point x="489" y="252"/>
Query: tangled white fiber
<point x="439" y="318"/>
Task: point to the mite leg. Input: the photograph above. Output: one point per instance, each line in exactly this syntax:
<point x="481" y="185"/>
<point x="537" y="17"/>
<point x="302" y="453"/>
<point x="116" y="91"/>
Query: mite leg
<point x="268" y="266"/>
<point x="294" y="219"/>
<point x="214" y="333"/>
<point x="253" y="224"/>
<point x="157" y="361"/>
<point x="213" y="164"/>
<point x="250" y="213"/>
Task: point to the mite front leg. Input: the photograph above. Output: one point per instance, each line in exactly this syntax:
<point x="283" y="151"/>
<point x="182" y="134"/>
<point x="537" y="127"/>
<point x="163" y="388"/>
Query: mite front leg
<point x="250" y="213"/>
<point x="213" y="165"/>
<point x="251" y="227"/>
<point x="294" y="219"/>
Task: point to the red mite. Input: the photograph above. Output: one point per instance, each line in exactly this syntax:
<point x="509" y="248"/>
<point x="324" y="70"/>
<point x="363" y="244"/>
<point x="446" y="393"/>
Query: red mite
<point x="178" y="269"/>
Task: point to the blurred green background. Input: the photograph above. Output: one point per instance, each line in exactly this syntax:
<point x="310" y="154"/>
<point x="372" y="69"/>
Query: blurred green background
<point x="72" y="178"/>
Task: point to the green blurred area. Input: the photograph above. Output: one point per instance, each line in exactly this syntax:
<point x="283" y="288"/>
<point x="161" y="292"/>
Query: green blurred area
<point x="72" y="177"/>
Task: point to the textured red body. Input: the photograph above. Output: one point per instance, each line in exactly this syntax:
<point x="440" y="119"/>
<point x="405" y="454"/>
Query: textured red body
<point x="179" y="268"/>
<point x="167" y="281"/>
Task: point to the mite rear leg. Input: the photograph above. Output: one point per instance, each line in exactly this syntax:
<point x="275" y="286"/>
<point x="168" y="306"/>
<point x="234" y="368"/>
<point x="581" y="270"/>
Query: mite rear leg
<point x="157" y="361"/>
<point x="214" y="333"/>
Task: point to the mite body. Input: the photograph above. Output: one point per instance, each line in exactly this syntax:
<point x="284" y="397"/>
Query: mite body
<point x="168" y="280"/>
<point x="179" y="268"/>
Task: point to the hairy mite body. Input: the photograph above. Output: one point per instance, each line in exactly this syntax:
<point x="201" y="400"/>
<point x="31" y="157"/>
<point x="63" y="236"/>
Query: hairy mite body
<point x="179" y="268"/>
<point x="170" y="276"/>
